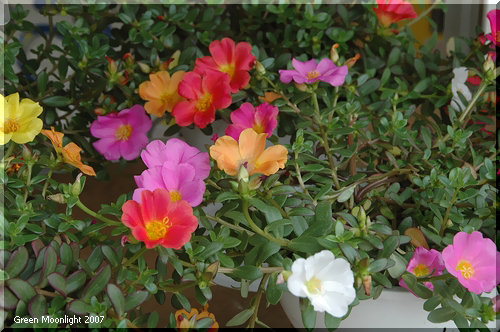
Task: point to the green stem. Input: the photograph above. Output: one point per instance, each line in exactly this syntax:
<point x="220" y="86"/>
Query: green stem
<point x="445" y="218"/>
<point x="256" y="229"/>
<point x="46" y="185"/>
<point x="28" y="180"/>
<point x="299" y="177"/>
<point x="334" y="103"/>
<point x="229" y="225"/>
<point x="134" y="257"/>
<point x="423" y="14"/>
<point x="8" y="152"/>
<point x="257" y="301"/>
<point x="97" y="215"/>
<point x="434" y="278"/>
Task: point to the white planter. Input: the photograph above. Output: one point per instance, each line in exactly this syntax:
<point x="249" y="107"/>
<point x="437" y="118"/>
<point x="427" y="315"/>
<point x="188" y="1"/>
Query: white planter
<point x="395" y="308"/>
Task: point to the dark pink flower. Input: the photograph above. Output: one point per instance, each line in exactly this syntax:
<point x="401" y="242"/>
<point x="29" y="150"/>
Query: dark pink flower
<point x="494" y="25"/>
<point x="310" y="72"/>
<point x="121" y="134"/>
<point x="474" y="261"/>
<point x="424" y="262"/>
<point x="263" y="119"/>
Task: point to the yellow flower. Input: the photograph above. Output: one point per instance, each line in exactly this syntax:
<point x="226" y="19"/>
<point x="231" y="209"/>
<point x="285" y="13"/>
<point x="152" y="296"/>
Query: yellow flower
<point x="70" y="152"/>
<point x="250" y="152"/>
<point x="18" y="120"/>
<point x="161" y="92"/>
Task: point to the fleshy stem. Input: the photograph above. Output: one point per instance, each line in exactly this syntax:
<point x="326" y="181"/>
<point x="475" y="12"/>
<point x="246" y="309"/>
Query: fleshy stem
<point x="467" y="111"/>
<point x="257" y="301"/>
<point x="423" y="14"/>
<point x="447" y="213"/>
<point x="46" y="185"/>
<point x="256" y="229"/>
<point x="8" y="152"/>
<point x="28" y="179"/>
<point x="269" y="269"/>
<point x="299" y="176"/>
<point x="229" y="225"/>
<point x="135" y="257"/>
<point x="97" y="215"/>
<point x="334" y="103"/>
<point x="325" y="141"/>
<point x="434" y="278"/>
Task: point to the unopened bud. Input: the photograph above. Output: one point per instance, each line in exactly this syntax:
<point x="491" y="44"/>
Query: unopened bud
<point x="367" y="284"/>
<point x="285" y="275"/>
<point x="26" y="153"/>
<point x="489" y="68"/>
<point x="260" y="67"/>
<point x="128" y="58"/>
<point x="76" y="188"/>
<point x="112" y="68"/>
<point x="301" y="87"/>
<point x="144" y="67"/>
<point x="99" y="111"/>
<point x="352" y="61"/>
<point x="243" y="174"/>
<point x="174" y="59"/>
<point x="58" y="198"/>
<point x="255" y="182"/>
<point x="334" y="56"/>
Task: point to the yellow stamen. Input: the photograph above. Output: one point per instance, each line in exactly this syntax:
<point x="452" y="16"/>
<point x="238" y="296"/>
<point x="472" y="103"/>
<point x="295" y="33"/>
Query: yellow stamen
<point x="259" y="129"/>
<point x="204" y="102"/>
<point x="466" y="268"/>
<point x="123" y="132"/>
<point x="228" y="68"/>
<point x="314" y="285"/>
<point x="313" y="74"/>
<point x="175" y="196"/>
<point x="421" y="270"/>
<point x="10" y="126"/>
<point x="157" y="229"/>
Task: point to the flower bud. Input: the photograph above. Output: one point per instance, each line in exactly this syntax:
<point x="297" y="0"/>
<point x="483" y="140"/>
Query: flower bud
<point x="301" y="87"/>
<point x="144" y="67"/>
<point x="174" y="59"/>
<point x="99" y="111"/>
<point x="58" y="198"/>
<point x="334" y="56"/>
<point x="367" y="284"/>
<point x="260" y="68"/>
<point x="255" y="182"/>
<point x="128" y="58"/>
<point x="112" y="67"/>
<point x="76" y="188"/>
<point x="26" y="153"/>
<point x="352" y="61"/>
<point x="243" y="174"/>
<point x="489" y="68"/>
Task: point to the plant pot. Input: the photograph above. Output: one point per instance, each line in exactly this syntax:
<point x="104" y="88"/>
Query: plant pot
<point x="395" y="308"/>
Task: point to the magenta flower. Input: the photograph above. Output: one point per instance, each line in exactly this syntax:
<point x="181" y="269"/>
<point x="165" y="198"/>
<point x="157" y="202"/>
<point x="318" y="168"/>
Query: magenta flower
<point x="310" y="72"/>
<point x="423" y="263"/>
<point x="121" y="134"/>
<point x="494" y="25"/>
<point x="178" y="179"/>
<point x="474" y="260"/>
<point x="263" y="119"/>
<point x="176" y="151"/>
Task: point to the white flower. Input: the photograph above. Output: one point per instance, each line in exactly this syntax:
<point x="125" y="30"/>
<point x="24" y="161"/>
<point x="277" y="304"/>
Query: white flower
<point x="458" y="85"/>
<point x="327" y="282"/>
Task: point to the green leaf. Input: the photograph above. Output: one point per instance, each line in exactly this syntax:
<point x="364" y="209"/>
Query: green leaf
<point x="308" y="313"/>
<point x="282" y="190"/>
<point x="240" y="318"/>
<point x="346" y="194"/>
<point x="226" y="196"/>
<point x="378" y="265"/>
<point x="135" y="299"/>
<point x="332" y="322"/>
<point x="9" y="299"/>
<point x="56" y="101"/>
<point x="301" y="211"/>
<point x="66" y="254"/>
<point x="271" y="213"/>
<point x="95" y="258"/>
<point x="153" y="319"/>
<point x="420" y="68"/>
<point x="307" y="244"/>
<point x="117" y="299"/>
<point x="273" y="293"/>
<point x="23" y="290"/>
<point x="381" y="228"/>
<point x="393" y="57"/>
<point x="390" y="244"/>
<point x="369" y="86"/>
<point x="349" y="252"/>
<point x="75" y="280"/>
<point x="79" y="307"/>
<point x="111" y="255"/>
<point x="211" y="249"/>
<point x="97" y="283"/>
<point x="58" y="282"/>
<point x="49" y="263"/>
<point x="399" y="267"/>
<point x="37" y="307"/>
<point x="247" y="272"/>
<point x="441" y="315"/>
<point x="17" y="262"/>
<point x="432" y="303"/>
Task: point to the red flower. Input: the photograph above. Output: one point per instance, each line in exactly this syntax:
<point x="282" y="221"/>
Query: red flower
<point x="235" y="60"/>
<point x="159" y="221"/>
<point x="205" y="94"/>
<point x="390" y="11"/>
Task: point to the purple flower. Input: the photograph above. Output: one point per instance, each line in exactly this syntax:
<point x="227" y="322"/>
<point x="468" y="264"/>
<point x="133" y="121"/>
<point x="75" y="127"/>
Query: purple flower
<point x="310" y="72"/>
<point x="423" y="263"/>
<point x="176" y="151"/>
<point x="121" y="134"/>
<point x="179" y="179"/>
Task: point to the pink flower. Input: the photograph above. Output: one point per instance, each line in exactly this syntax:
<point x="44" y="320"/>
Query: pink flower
<point x="310" y="72"/>
<point x="121" y="134"/>
<point x="262" y="119"/>
<point x="494" y="24"/>
<point x="176" y="151"/>
<point x="179" y="179"/>
<point x="205" y="94"/>
<point x="390" y="11"/>
<point x="474" y="260"/>
<point x="423" y="263"/>
<point x="234" y="60"/>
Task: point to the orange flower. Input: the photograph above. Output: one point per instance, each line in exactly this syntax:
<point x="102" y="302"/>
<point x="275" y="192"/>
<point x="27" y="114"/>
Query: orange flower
<point x="187" y="320"/>
<point x="249" y="152"/>
<point x="70" y="153"/>
<point x="161" y="92"/>
<point x="269" y="97"/>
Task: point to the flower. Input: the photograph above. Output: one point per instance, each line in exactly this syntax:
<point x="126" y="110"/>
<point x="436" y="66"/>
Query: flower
<point x="425" y="262"/>
<point x="249" y="152"/>
<point x="492" y="17"/>
<point x="178" y="179"/>
<point x="121" y="134"/>
<point x="310" y="72"/>
<point x="205" y="94"/>
<point x="458" y="85"/>
<point x="474" y="260"/>
<point x="390" y="11"/>
<point x="187" y="320"/>
<point x="262" y="119"/>
<point x="177" y="151"/>
<point x="20" y="119"/>
<point x="159" y="221"/>
<point x="234" y="60"/>
<point x="327" y="282"/>
<point x="70" y="153"/>
<point x="269" y="97"/>
<point x="161" y="92"/>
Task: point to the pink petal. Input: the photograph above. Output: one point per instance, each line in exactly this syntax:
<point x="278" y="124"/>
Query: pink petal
<point x="192" y="191"/>
<point x="174" y="174"/>
<point x="108" y="147"/>
<point x="154" y="154"/>
<point x="303" y="68"/>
